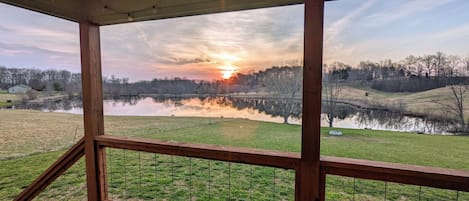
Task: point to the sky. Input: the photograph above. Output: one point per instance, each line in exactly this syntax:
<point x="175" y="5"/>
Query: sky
<point x="215" y="46"/>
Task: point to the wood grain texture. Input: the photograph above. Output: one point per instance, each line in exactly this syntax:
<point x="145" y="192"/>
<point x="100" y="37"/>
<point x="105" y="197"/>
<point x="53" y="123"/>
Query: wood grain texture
<point x="322" y="185"/>
<point x="93" y="110"/>
<point x="309" y="183"/>
<point x="283" y="160"/>
<point x="53" y="172"/>
<point x="399" y="173"/>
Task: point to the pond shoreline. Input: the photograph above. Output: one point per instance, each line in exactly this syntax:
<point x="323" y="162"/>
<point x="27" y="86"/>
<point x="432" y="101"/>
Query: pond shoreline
<point x="262" y="107"/>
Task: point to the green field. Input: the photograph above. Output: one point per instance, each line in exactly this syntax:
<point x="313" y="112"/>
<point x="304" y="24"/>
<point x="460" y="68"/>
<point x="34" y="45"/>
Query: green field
<point x="140" y="176"/>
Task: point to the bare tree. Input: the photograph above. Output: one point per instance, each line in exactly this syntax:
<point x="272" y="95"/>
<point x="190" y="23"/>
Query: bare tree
<point x="286" y="83"/>
<point x="332" y="87"/>
<point x="427" y="61"/>
<point x="412" y="65"/>
<point x="466" y="64"/>
<point x="452" y="64"/>
<point x="439" y="63"/>
<point x="455" y="104"/>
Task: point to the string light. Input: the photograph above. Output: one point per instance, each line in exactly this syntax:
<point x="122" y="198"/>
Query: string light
<point x="131" y="15"/>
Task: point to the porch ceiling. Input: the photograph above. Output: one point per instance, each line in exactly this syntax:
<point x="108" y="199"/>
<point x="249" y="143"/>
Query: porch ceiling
<point x="107" y="12"/>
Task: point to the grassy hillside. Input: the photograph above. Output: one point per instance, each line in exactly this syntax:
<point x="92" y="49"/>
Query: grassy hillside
<point x="419" y="103"/>
<point x="5" y="96"/>
<point x="137" y="175"/>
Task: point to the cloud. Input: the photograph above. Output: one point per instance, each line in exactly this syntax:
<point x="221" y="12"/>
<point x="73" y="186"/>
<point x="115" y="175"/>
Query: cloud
<point x="395" y="29"/>
<point x="338" y="26"/>
<point x="2" y="28"/>
<point x="36" y="57"/>
<point x="452" y="33"/>
<point x="33" y="40"/>
<point x="397" y="10"/>
<point x="184" y="61"/>
<point x="334" y="46"/>
<point x="30" y="49"/>
<point x="261" y="38"/>
<point x="257" y="37"/>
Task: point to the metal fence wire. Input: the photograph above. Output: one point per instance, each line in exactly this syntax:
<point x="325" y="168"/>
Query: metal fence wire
<point x="134" y="175"/>
<point x="347" y="188"/>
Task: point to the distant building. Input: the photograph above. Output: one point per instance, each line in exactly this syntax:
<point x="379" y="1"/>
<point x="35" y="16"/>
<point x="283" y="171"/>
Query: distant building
<point x="19" y="89"/>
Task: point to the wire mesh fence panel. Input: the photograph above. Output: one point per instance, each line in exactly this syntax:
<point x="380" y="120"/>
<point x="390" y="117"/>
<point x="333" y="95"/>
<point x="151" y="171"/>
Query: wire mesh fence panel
<point x="354" y="189"/>
<point x="369" y="189"/>
<point x="403" y="192"/>
<point x="220" y="181"/>
<point x="136" y="175"/>
<point x="200" y="179"/>
<point x="462" y="196"/>
<point x="242" y="182"/>
<point x="339" y="188"/>
<point x="437" y="194"/>
<point x="263" y="181"/>
<point x="285" y="184"/>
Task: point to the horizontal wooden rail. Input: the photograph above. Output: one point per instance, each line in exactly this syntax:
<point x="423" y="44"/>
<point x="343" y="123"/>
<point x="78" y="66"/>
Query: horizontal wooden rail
<point x="365" y="169"/>
<point x="213" y="152"/>
<point x="54" y="171"/>
<point x="399" y="173"/>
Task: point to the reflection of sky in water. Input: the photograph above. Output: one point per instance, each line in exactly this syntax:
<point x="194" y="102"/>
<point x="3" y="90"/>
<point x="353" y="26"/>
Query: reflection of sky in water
<point x="195" y="107"/>
<point x="406" y="124"/>
<point x="192" y="107"/>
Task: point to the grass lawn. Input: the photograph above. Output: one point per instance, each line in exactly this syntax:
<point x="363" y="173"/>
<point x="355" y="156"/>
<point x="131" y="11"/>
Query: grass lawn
<point x="5" y="97"/>
<point x="139" y="175"/>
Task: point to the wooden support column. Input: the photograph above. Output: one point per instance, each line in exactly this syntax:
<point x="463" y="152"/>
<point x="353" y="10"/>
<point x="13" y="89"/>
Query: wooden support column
<point x="308" y="177"/>
<point x="93" y="110"/>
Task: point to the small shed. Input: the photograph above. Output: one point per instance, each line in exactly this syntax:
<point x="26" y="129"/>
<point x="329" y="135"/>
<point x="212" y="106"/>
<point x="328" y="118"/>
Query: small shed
<point x="19" y="89"/>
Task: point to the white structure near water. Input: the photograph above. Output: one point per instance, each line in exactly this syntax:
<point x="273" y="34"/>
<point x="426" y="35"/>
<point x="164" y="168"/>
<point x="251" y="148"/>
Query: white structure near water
<point x="335" y="133"/>
<point x="19" y="89"/>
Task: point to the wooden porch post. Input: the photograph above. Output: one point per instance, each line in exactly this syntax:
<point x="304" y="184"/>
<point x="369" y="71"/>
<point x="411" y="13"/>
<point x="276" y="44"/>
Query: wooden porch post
<point x="308" y="177"/>
<point x="93" y="110"/>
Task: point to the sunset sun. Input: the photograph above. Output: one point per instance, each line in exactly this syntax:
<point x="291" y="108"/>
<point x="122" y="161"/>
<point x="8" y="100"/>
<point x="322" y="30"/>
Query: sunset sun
<point x="228" y="71"/>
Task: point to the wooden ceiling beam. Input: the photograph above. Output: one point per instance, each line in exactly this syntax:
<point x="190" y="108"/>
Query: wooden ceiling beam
<point x="108" y="12"/>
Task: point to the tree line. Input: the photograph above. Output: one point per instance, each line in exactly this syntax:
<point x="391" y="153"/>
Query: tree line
<point x="285" y="81"/>
<point x="40" y="80"/>
<point x="280" y="80"/>
<point x="411" y="74"/>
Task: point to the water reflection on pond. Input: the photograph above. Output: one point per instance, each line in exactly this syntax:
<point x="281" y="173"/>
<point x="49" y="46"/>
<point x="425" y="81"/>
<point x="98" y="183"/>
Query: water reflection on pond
<point x="272" y="110"/>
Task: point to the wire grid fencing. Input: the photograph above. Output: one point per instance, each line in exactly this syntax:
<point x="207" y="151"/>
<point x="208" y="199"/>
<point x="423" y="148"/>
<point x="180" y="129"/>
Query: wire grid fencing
<point x="354" y="189"/>
<point x="134" y="175"/>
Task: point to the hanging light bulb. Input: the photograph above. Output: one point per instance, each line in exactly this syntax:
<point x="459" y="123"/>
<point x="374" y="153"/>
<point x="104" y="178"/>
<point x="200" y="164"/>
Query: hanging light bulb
<point x="105" y="8"/>
<point x="129" y="17"/>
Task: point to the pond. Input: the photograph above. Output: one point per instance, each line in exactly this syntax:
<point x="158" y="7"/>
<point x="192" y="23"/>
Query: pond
<point x="260" y="109"/>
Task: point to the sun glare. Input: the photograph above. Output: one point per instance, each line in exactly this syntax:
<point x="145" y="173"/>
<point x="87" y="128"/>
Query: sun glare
<point x="227" y="63"/>
<point x="227" y="57"/>
<point x="228" y="71"/>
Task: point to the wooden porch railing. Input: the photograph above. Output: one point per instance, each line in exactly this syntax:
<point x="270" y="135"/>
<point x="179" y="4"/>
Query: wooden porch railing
<point x="213" y="152"/>
<point x="311" y="170"/>
<point x="53" y="172"/>
<point x="364" y="169"/>
<point x="398" y="173"/>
